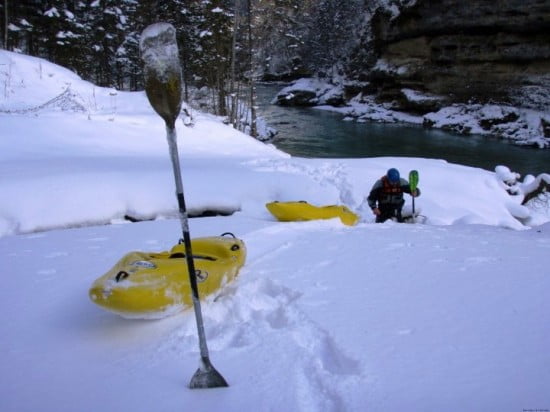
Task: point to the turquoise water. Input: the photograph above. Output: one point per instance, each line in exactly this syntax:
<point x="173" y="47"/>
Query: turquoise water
<point x="307" y="132"/>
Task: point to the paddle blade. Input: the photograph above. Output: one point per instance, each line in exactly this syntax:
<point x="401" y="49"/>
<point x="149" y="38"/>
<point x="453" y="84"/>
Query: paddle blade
<point x="413" y="180"/>
<point x="207" y="377"/>
<point x="162" y="70"/>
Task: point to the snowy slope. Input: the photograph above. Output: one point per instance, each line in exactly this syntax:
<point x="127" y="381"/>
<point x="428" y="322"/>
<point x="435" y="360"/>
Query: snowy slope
<point x="449" y="315"/>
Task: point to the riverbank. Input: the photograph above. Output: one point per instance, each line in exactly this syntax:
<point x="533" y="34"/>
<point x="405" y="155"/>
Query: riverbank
<point x="523" y="127"/>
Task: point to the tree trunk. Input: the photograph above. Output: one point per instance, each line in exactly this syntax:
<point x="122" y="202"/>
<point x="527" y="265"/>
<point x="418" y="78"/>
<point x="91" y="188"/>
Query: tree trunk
<point x="544" y="186"/>
<point x="253" y="129"/>
<point x="234" y="97"/>
<point x="6" y="24"/>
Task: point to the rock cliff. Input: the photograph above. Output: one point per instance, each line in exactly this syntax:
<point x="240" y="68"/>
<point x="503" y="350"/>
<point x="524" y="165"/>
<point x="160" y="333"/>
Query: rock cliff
<point x="462" y="51"/>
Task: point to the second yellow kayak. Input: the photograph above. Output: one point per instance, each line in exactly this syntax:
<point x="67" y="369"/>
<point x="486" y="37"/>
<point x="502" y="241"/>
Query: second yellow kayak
<point x="297" y="211"/>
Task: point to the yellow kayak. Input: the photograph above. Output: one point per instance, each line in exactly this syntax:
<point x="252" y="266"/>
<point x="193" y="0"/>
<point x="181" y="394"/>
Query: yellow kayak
<point x="154" y="285"/>
<point x="294" y="211"/>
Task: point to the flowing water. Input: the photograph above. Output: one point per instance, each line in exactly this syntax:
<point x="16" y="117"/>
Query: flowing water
<point x="307" y="132"/>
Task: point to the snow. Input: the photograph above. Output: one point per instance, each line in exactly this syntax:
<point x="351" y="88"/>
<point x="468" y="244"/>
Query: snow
<point x="415" y="96"/>
<point x="51" y="12"/>
<point x="13" y="27"/>
<point x="448" y="315"/>
<point x="159" y="50"/>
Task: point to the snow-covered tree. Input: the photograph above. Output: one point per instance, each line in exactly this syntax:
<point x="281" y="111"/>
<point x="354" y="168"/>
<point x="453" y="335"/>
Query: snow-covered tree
<point x="212" y="57"/>
<point x="61" y="33"/>
<point x="105" y="24"/>
<point x="126" y="58"/>
<point x="19" y="24"/>
<point x="280" y="26"/>
<point x="332" y="30"/>
<point x="221" y="42"/>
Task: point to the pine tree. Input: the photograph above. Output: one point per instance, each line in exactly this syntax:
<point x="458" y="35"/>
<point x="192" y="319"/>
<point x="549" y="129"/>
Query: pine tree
<point x="332" y="31"/>
<point x="104" y="24"/>
<point x="212" y="63"/>
<point x="19" y="24"/>
<point x="4" y="18"/>
<point x="127" y="58"/>
<point x="280" y="26"/>
<point x="251" y="68"/>
<point x="61" y="34"/>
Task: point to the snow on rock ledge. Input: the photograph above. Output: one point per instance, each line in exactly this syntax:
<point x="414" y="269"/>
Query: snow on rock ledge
<point x="310" y="92"/>
<point x="524" y="127"/>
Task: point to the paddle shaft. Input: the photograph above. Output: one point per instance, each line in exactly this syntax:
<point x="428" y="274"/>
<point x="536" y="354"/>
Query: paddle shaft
<point x="413" y="181"/>
<point x="206" y="376"/>
<point x="184" y="221"/>
<point x="413" y="208"/>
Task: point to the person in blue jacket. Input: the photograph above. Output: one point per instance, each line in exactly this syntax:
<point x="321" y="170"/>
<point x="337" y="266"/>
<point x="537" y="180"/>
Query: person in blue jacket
<point x="386" y="196"/>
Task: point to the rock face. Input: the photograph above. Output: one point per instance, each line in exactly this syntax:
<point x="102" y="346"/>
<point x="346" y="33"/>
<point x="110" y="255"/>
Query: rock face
<point x="310" y="92"/>
<point x="481" y="50"/>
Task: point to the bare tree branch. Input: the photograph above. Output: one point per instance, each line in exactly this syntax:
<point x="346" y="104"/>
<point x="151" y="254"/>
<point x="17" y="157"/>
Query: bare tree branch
<point x="540" y="185"/>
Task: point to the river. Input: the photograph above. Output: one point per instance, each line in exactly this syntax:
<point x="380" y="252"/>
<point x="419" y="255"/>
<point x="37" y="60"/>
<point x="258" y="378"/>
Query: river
<point x="308" y="132"/>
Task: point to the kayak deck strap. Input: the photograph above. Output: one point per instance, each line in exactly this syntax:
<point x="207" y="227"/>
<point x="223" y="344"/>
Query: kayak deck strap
<point x="179" y="255"/>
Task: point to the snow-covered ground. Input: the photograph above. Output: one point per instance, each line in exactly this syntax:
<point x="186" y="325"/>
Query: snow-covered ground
<point x="450" y="315"/>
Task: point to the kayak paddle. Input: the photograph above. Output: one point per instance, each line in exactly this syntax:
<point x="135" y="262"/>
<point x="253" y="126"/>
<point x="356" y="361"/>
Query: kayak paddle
<point x="163" y="78"/>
